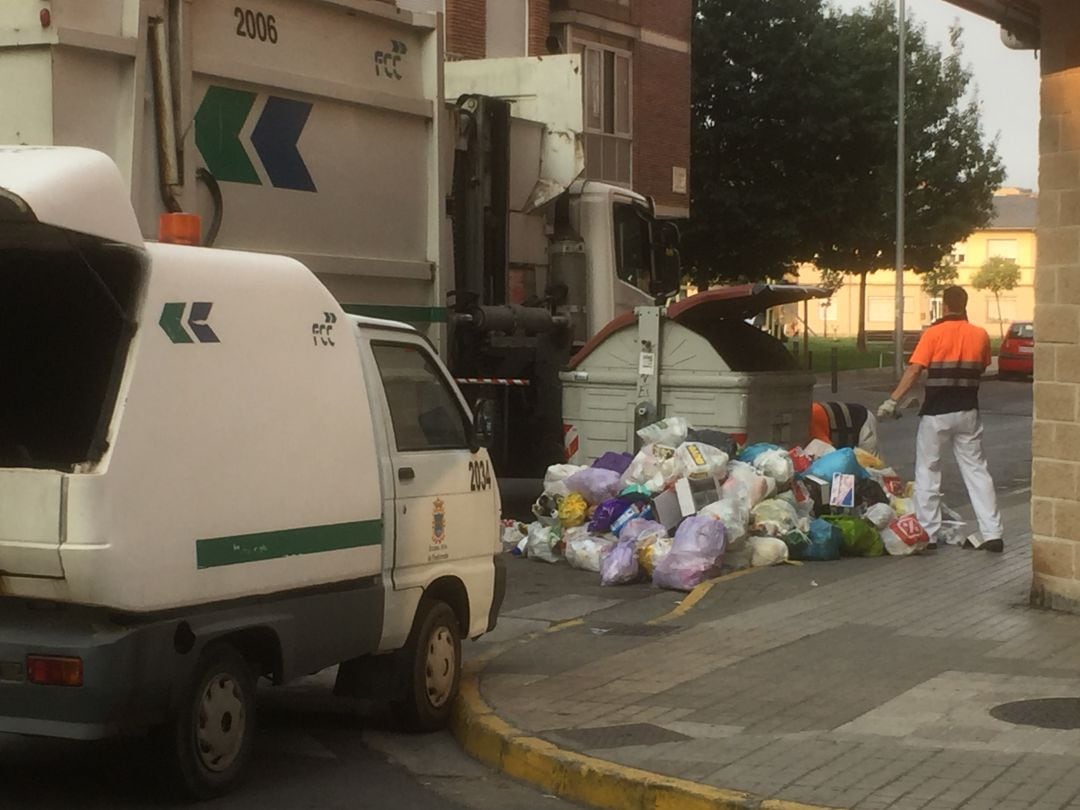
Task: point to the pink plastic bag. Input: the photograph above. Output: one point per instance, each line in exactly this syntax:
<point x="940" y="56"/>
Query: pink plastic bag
<point x="696" y="554"/>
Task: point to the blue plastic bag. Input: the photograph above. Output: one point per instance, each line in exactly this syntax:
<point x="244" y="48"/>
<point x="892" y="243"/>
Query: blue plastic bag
<point x="825" y="542"/>
<point x="838" y="461"/>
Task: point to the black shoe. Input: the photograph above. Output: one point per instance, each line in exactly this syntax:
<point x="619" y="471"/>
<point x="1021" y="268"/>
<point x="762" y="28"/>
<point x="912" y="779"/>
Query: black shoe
<point x="931" y="546"/>
<point x="996" y="545"/>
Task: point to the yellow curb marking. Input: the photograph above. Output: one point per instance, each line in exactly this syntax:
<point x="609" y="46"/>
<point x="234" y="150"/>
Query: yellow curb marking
<point x="578" y="777"/>
<point x="698" y="594"/>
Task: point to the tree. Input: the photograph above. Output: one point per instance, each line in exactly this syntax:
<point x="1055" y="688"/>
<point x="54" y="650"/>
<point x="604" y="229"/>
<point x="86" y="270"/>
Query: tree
<point x="997" y="275"/>
<point x="937" y="278"/>
<point x="795" y="143"/>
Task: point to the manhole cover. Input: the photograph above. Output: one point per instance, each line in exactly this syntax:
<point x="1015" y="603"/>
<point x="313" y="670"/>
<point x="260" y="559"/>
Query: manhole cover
<point x="1060" y="713"/>
<point x="619" y="736"/>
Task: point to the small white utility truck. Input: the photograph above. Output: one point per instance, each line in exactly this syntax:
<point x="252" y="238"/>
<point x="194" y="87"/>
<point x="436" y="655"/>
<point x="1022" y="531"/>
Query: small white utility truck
<point x="210" y="473"/>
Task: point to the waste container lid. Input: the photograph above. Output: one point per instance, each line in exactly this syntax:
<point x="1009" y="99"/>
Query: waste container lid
<point x="698" y="311"/>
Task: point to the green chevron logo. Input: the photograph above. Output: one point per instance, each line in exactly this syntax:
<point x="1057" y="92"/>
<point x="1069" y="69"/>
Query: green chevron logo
<point x="218" y="122"/>
<point x="172" y="322"/>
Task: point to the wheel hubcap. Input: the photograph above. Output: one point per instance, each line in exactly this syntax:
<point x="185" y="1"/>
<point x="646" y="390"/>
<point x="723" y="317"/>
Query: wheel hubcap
<point x="221" y="722"/>
<point x="441" y="666"/>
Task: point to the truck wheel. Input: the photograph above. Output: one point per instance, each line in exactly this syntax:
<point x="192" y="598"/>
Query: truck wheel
<point x="212" y="733"/>
<point x="432" y="663"/>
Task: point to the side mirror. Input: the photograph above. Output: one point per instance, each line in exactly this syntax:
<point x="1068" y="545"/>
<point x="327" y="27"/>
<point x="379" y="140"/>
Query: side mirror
<point x="483" y="423"/>
<point x="668" y="272"/>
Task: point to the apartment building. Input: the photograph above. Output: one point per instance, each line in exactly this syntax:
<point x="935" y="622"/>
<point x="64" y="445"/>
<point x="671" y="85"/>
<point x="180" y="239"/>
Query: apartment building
<point x="636" y="66"/>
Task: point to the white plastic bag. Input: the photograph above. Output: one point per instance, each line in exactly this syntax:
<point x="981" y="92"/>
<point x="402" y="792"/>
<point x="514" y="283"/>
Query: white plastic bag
<point x="584" y="550"/>
<point x="817" y="448"/>
<point x="542" y="543"/>
<point x="774" y="517"/>
<point x="619" y="565"/>
<point x="777" y="465"/>
<point x="671" y="431"/>
<point x="655" y="466"/>
<point x="512" y="535"/>
<point x="881" y="515"/>
<point x="734" y="513"/>
<point x="702" y="461"/>
<point x="766" y="551"/>
<point x="904" y="536"/>
<point x="555" y="478"/>
<point x="743" y="478"/>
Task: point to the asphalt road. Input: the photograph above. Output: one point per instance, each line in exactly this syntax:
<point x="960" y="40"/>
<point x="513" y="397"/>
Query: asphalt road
<point x="313" y="751"/>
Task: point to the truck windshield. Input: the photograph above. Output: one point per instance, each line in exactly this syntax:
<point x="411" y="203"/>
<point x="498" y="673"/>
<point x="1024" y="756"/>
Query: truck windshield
<point x="67" y="304"/>
<point x="633" y="247"/>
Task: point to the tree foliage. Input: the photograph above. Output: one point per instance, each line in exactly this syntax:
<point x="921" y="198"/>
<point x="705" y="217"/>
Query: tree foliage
<point x="997" y="275"/>
<point x="937" y="278"/>
<point x="794" y="108"/>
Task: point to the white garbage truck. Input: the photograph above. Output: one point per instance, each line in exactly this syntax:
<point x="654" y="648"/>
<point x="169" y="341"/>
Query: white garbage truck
<point x="211" y="473"/>
<point x="447" y="195"/>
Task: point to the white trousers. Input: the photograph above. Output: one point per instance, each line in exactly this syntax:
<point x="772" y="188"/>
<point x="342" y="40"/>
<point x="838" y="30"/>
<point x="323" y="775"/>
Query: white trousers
<point x="963" y="430"/>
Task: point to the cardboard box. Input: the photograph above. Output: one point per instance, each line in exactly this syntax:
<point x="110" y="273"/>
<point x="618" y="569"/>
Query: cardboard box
<point x="684" y="499"/>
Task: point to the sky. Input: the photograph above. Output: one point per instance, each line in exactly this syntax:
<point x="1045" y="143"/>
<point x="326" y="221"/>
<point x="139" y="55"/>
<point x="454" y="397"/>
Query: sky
<point x="1007" y="80"/>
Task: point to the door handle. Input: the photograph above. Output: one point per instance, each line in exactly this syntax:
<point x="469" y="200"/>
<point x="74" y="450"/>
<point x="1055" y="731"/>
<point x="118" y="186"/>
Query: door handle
<point x="406" y="474"/>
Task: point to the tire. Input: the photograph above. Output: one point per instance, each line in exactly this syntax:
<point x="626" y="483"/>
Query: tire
<point x="1006" y="376"/>
<point x="210" y="738"/>
<point x="431" y="664"/>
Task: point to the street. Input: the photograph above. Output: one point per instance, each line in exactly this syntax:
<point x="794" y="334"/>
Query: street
<point x="315" y="751"/>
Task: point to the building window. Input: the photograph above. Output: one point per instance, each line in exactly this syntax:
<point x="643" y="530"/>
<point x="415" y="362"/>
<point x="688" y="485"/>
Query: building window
<point x="1008" y="310"/>
<point x="883" y="310"/>
<point x="1005" y="248"/>
<point x="608" y="133"/>
<point x="508" y="28"/>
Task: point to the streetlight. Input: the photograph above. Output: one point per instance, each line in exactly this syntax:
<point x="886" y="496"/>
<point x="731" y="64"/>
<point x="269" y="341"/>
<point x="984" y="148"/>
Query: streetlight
<point x="898" y="338"/>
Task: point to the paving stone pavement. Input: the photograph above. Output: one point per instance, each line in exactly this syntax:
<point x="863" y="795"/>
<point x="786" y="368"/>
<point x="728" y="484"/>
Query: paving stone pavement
<point x="860" y="683"/>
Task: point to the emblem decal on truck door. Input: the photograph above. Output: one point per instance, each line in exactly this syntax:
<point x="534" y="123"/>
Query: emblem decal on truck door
<point x="173" y="313"/>
<point x="437" y="550"/>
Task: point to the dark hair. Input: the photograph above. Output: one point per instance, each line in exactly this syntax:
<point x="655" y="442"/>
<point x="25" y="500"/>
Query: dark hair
<point x="955" y="299"/>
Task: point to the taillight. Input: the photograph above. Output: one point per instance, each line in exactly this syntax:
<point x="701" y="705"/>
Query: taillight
<point x="54" y="670"/>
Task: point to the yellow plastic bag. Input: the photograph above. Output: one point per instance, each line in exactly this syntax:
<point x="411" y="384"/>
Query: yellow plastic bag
<point x="868" y="460"/>
<point x="572" y="511"/>
<point x="653" y="549"/>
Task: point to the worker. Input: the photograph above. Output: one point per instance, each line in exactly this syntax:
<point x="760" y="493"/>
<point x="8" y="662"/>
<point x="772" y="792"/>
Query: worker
<point x="955" y="354"/>
<point x="844" y="424"/>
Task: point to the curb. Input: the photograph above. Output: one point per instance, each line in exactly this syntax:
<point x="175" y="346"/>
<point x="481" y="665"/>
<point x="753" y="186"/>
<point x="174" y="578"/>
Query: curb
<point x="580" y="778"/>
<point x="577" y="777"/>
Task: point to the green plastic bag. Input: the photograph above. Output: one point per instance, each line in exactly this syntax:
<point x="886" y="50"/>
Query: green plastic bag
<point x="861" y="539"/>
<point x="798" y="544"/>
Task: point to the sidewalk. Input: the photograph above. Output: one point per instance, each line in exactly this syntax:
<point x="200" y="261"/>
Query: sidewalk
<point x="862" y="683"/>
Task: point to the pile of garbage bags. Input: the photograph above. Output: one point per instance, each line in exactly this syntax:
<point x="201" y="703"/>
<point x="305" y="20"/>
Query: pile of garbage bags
<point x="692" y="503"/>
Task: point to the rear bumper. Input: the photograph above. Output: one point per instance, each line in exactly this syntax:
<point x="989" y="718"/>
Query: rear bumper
<point x="126" y="672"/>
<point x="499" y="593"/>
<point x="1016" y="363"/>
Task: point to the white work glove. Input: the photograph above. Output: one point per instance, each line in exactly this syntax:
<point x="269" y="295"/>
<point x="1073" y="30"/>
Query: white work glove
<point x="887" y="410"/>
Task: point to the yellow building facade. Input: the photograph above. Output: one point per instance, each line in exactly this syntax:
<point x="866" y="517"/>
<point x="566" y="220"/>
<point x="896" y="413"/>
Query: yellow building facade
<point x="1011" y="234"/>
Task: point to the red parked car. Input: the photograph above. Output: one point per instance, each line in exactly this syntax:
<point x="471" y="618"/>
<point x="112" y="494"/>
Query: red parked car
<point x="1016" y="357"/>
